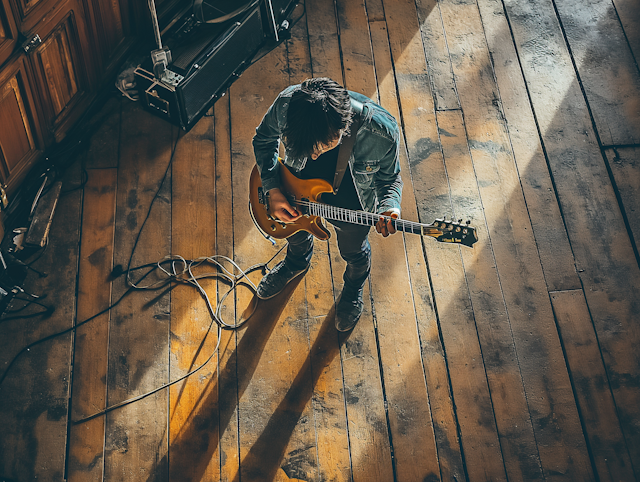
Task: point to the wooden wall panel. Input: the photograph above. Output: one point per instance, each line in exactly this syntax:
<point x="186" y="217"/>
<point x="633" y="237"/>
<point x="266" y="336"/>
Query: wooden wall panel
<point x="8" y="31"/>
<point x="27" y="7"/>
<point x="61" y="73"/>
<point x="59" y="70"/>
<point x="110" y="35"/>
<point x="16" y="139"/>
<point x="20" y="142"/>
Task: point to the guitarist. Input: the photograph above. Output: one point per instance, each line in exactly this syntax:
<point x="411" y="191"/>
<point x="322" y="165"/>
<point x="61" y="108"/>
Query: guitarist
<point x="313" y="120"/>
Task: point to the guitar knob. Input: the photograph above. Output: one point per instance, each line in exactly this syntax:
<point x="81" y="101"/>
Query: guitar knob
<point x="273" y="227"/>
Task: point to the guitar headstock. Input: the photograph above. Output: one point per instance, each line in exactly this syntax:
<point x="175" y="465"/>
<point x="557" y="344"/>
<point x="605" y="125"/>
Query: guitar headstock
<point x="455" y="232"/>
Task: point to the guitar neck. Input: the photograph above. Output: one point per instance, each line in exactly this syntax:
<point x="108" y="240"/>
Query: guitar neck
<point x="364" y="218"/>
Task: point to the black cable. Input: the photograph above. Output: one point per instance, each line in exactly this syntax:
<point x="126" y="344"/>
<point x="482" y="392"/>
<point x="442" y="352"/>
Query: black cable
<point x="83" y="182"/>
<point x="48" y="310"/>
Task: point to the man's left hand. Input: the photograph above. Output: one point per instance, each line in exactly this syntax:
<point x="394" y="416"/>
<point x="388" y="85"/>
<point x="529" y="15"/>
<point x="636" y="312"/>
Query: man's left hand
<point x="384" y="225"/>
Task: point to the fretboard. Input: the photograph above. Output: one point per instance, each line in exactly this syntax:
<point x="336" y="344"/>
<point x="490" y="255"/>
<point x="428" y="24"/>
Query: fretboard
<point x="364" y="218"/>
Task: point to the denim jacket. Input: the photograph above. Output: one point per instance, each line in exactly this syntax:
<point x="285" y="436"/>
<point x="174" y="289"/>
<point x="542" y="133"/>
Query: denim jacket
<point x="373" y="162"/>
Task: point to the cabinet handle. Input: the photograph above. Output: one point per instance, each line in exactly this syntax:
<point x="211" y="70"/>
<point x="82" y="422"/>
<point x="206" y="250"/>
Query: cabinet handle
<point x="32" y="42"/>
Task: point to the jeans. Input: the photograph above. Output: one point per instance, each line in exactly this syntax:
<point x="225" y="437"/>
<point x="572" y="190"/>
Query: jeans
<point x="354" y="247"/>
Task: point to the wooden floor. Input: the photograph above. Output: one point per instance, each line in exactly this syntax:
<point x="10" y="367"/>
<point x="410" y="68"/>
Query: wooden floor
<point x="516" y="360"/>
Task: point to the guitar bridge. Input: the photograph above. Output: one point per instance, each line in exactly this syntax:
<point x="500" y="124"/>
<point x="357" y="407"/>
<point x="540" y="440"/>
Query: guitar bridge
<point x="261" y="196"/>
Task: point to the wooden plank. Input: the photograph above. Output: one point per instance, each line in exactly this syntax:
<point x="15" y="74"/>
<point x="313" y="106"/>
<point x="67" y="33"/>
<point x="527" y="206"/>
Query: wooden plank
<point x="551" y="236"/>
<point x="407" y="395"/>
<point x="374" y="10"/>
<point x="86" y="440"/>
<point x="34" y="397"/>
<point x="469" y="384"/>
<point x="608" y="72"/>
<point x="324" y="42"/>
<point x="298" y="54"/>
<point x="136" y="441"/>
<point x="324" y="358"/>
<point x="193" y="453"/>
<point x="359" y="75"/>
<point x="597" y="407"/>
<point x="434" y="40"/>
<point x="604" y="257"/>
<point x="630" y="19"/>
<point x="357" y="57"/>
<point x="324" y="364"/>
<point x="540" y="360"/>
<point x="267" y="449"/>
<point x="204" y="438"/>
<point x="368" y="440"/>
<point x="498" y="353"/>
<point x="625" y="166"/>
<point x="227" y="354"/>
<point x="104" y="138"/>
<point x="433" y="364"/>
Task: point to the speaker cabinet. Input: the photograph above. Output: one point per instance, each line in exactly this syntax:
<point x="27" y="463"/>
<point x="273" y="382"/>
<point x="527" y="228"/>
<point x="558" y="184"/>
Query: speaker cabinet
<point x="206" y="59"/>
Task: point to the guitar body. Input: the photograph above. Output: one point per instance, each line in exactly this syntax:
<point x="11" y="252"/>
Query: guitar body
<point x="309" y="189"/>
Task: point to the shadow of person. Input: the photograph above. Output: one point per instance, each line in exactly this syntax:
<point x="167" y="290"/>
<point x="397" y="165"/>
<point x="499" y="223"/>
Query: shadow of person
<point x="195" y="444"/>
<point x="265" y="456"/>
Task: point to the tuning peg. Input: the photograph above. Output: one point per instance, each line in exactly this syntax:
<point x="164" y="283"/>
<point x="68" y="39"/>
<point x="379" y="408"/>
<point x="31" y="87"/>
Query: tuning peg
<point x="459" y="221"/>
<point x="468" y="221"/>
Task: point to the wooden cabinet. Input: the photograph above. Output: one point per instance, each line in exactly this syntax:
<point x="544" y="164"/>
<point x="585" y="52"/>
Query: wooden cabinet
<point x="55" y="56"/>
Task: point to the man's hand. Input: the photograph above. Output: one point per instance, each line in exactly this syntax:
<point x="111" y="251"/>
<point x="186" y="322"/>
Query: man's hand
<point x="384" y="226"/>
<point x="280" y="208"/>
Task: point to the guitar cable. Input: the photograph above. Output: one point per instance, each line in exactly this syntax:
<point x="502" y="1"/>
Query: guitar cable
<point x="180" y="271"/>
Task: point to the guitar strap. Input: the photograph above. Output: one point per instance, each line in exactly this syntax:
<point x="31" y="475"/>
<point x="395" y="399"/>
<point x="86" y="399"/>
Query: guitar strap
<point x="346" y="146"/>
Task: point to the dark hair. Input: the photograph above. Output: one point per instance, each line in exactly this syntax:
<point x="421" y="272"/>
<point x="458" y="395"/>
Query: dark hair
<point x="318" y="111"/>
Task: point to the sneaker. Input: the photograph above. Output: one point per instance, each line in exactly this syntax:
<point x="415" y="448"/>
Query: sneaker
<point x="275" y="280"/>
<point x="349" y="310"/>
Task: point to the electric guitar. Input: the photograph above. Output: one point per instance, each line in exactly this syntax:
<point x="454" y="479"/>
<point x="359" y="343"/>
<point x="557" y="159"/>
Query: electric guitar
<point x="303" y="194"/>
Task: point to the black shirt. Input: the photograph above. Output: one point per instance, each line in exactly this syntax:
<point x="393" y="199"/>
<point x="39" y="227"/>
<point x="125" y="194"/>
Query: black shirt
<point x="324" y="167"/>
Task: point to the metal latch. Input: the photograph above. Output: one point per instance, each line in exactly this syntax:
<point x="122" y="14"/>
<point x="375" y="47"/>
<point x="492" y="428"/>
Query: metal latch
<point x="30" y="43"/>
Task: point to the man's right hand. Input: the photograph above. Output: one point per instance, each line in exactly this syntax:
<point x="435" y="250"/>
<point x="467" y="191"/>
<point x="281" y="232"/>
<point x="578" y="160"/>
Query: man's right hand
<point x="280" y="208"/>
